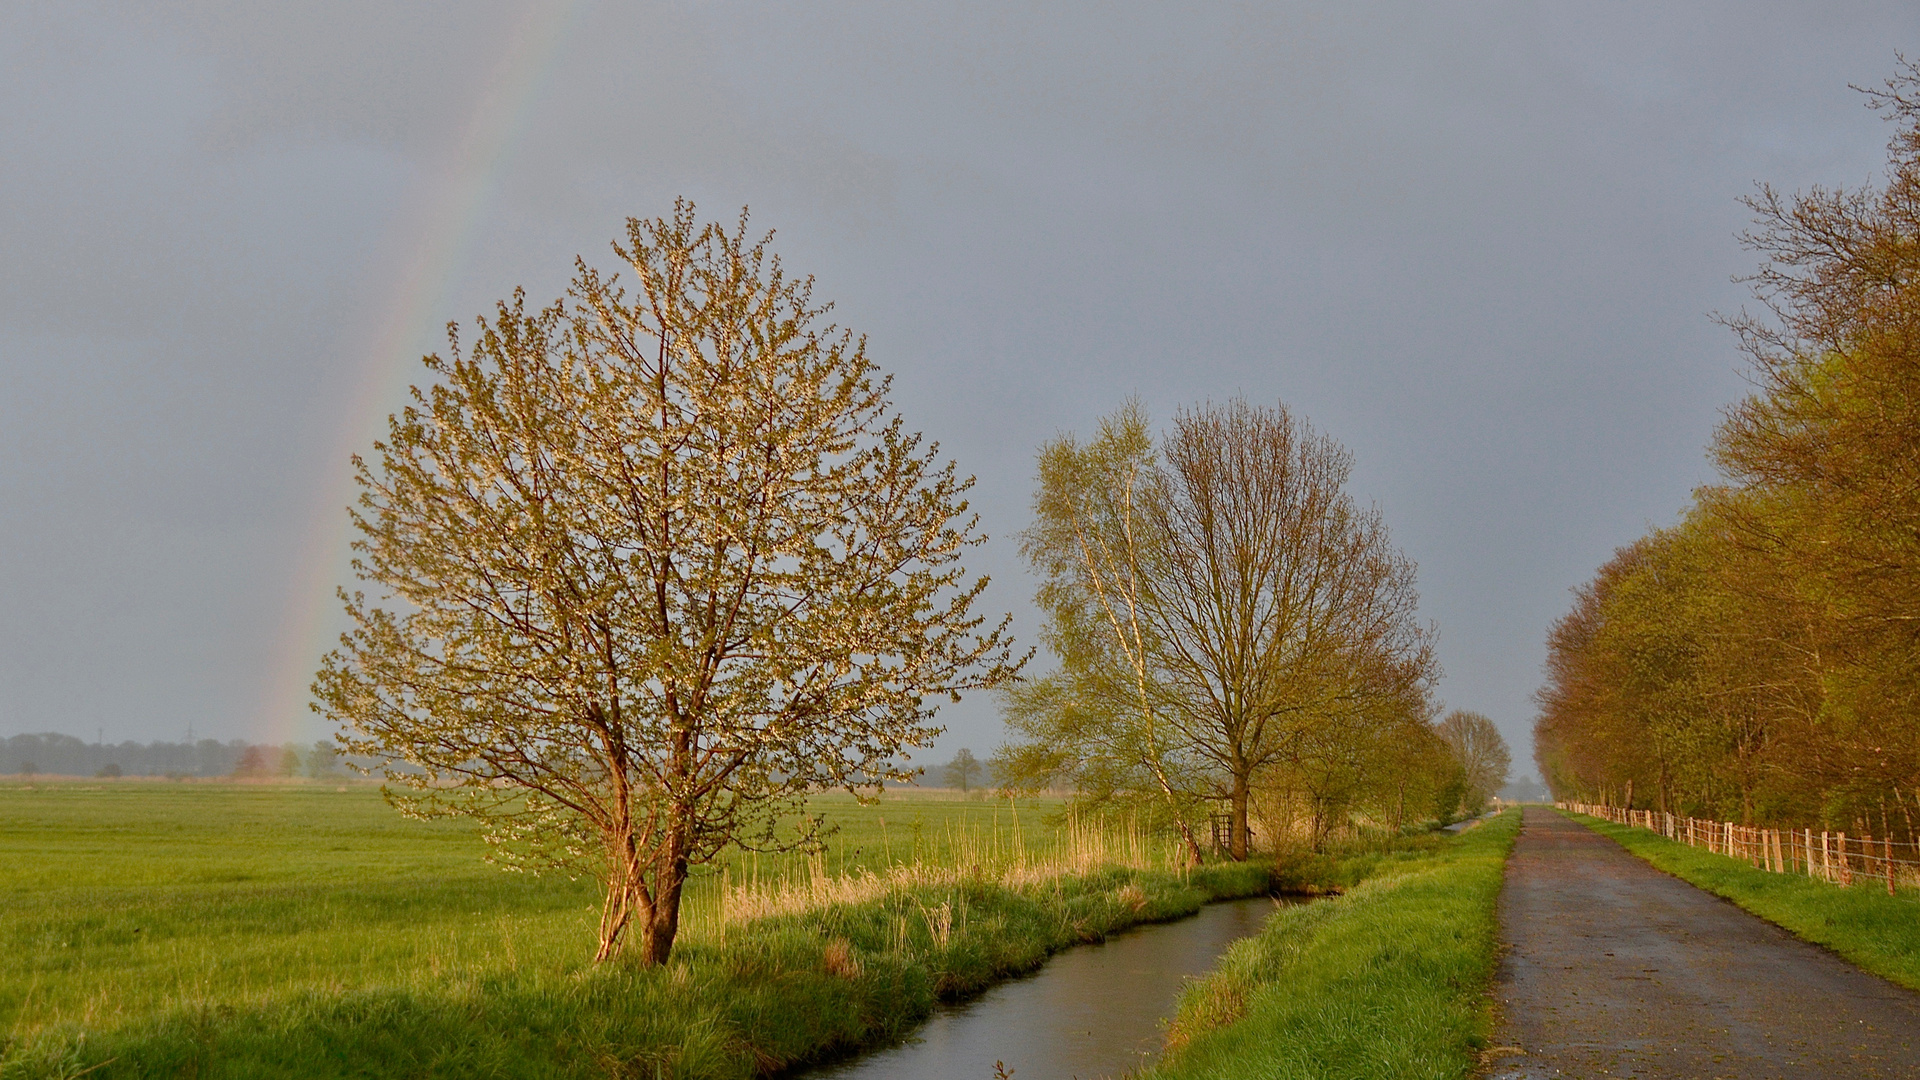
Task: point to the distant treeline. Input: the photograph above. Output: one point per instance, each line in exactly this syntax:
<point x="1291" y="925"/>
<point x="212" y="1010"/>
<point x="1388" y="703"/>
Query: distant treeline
<point x="65" y="755"/>
<point x="52" y="754"/>
<point x="1760" y="660"/>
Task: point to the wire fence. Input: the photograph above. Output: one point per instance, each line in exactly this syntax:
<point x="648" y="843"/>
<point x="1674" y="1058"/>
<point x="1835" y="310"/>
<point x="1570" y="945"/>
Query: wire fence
<point x="1827" y="856"/>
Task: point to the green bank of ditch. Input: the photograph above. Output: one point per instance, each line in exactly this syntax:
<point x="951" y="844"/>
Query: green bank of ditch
<point x="781" y="992"/>
<point x="1874" y="931"/>
<point x="1389" y="979"/>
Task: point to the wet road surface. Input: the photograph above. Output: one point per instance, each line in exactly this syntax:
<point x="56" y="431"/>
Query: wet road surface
<point x="1611" y="968"/>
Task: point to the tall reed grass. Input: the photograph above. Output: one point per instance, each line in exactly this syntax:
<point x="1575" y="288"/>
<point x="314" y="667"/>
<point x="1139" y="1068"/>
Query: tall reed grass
<point x="963" y="852"/>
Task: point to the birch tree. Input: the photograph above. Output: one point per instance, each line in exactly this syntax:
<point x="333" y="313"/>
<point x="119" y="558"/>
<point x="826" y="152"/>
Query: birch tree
<point x="1096" y="724"/>
<point x="650" y="565"/>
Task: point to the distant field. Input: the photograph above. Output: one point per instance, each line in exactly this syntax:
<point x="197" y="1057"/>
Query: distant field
<point x="128" y="899"/>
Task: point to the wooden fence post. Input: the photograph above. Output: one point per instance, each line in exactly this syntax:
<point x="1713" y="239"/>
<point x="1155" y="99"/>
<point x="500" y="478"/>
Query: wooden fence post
<point x="1846" y="868"/>
<point x="1888" y="849"/>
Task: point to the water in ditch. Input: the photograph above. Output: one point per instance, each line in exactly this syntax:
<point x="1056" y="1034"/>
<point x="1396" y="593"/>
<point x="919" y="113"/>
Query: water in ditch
<point x="1092" y="1011"/>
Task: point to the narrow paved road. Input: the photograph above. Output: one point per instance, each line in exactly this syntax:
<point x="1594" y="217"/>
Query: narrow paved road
<point x="1612" y="968"/>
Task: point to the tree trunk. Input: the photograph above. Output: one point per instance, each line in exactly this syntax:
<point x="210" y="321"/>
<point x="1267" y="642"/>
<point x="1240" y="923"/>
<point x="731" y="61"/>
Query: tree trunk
<point x="629" y="900"/>
<point x="663" y="925"/>
<point x="1237" y="837"/>
<point x="1186" y="833"/>
<point x="627" y="896"/>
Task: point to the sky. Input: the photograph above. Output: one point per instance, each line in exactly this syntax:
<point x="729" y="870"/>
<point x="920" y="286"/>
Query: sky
<point x="1481" y="245"/>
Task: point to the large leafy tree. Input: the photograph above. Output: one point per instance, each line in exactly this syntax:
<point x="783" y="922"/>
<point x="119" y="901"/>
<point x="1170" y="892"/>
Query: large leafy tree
<point x="1833" y="433"/>
<point x="1765" y="653"/>
<point x="1686" y="678"/>
<point x="650" y="565"/>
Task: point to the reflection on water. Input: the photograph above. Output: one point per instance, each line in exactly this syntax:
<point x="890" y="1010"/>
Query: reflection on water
<point x="1092" y="1011"/>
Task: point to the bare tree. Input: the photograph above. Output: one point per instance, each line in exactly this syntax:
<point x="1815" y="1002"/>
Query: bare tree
<point x="1259" y="616"/>
<point x="1279" y="607"/>
<point x="1481" y="753"/>
<point x="652" y="567"/>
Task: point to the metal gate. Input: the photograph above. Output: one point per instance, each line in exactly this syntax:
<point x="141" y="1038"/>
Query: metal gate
<point x="1223" y="831"/>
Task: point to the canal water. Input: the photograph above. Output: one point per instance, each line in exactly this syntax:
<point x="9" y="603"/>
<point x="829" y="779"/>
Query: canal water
<point x="1091" y="1011"/>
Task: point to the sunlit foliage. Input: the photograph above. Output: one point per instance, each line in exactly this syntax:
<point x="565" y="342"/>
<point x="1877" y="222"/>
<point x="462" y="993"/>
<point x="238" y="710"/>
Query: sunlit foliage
<point x="651" y="566"/>
<point x="1761" y="660"/>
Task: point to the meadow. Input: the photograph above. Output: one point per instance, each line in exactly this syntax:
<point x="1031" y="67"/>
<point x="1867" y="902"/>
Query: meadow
<point x="158" y="928"/>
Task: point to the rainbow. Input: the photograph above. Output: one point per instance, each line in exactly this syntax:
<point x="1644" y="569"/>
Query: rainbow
<point x="448" y="209"/>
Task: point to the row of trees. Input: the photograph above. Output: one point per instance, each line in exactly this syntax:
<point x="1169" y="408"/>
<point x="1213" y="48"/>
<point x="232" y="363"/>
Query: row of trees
<point x="1760" y="660"/>
<point x="1235" y="634"/>
<point x="654" y="563"/>
<point x="65" y="755"/>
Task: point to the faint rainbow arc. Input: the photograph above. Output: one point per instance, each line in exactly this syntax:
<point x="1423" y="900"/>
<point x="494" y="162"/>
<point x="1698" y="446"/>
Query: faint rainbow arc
<point x="450" y="206"/>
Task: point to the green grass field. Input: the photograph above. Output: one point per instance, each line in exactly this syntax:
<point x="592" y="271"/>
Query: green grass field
<point x="1878" y="932"/>
<point x="158" y="928"/>
<point x="131" y="897"/>
<point x="1388" y="980"/>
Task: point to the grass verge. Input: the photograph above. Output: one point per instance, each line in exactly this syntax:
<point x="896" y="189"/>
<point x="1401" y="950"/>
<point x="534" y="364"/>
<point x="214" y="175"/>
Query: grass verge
<point x="1386" y="980"/>
<point x="1874" y="931"/>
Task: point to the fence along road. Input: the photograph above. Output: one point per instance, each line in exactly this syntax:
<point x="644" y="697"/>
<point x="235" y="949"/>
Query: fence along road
<point x="1829" y="856"/>
<point x="1612" y="968"/>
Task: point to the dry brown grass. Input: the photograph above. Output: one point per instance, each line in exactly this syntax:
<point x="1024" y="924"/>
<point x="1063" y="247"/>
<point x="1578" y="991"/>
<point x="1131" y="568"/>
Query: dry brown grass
<point x="1083" y="848"/>
<point x="839" y="959"/>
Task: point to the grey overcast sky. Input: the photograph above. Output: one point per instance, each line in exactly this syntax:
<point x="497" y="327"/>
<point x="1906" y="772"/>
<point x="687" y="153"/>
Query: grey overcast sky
<point x="1477" y="243"/>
